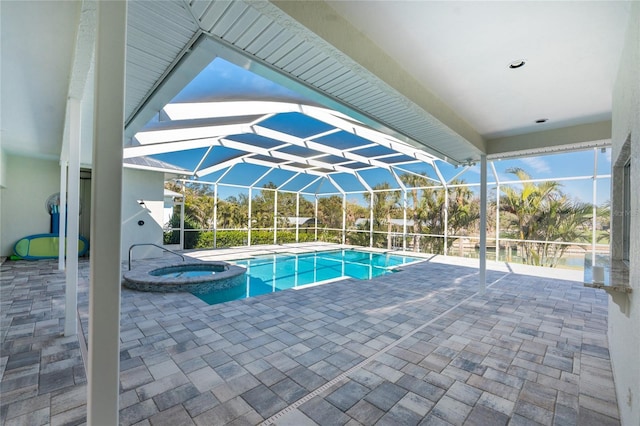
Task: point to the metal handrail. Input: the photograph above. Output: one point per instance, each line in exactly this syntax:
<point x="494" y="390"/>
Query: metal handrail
<point x="155" y="245"/>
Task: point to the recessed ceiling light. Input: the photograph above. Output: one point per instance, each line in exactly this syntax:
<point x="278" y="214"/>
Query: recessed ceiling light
<point x="517" y="64"/>
<point x="542" y="120"/>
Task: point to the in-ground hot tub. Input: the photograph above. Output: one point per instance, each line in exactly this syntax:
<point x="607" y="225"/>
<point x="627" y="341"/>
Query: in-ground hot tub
<point x="194" y="277"/>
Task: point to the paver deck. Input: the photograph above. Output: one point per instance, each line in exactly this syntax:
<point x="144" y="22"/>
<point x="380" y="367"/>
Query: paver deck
<point x="420" y="346"/>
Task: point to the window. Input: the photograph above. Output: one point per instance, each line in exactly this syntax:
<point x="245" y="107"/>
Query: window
<point x="626" y="211"/>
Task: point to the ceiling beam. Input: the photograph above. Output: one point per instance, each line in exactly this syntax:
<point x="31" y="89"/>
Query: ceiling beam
<point x="161" y="148"/>
<point x="365" y="132"/>
<point x="274" y="153"/>
<point x="326" y="23"/>
<point x="201" y="110"/>
<point x="549" y="141"/>
<point x="293" y="140"/>
<point x="188" y="133"/>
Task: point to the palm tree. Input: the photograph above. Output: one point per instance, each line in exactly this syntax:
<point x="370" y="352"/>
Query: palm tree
<point x="431" y="215"/>
<point x="385" y="203"/>
<point x="541" y="213"/>
<point x="463" y="212"/>
<point x="413" y="181"/>
<point x="330" y="211"/>
<point x="566" y="221"/>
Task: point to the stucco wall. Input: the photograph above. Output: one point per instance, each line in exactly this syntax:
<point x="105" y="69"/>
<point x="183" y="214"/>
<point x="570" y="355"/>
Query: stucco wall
<point x="3" y="179"/>
<point x="3" y="168"/>
<point x="624" y="327"/>
<point x="149" y="187"/>
<point x="29" y="182"/>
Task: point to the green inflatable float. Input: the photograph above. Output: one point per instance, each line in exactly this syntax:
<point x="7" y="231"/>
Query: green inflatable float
<point x="44" y="246"/>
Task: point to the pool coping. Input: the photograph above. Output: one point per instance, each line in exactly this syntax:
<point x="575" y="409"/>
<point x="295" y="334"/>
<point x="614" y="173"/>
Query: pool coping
<point x="141" y="278"/>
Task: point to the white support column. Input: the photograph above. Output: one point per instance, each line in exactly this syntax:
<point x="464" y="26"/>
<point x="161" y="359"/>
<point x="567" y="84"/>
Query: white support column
<point x="215" y="215"/>
<point x="249" y="215"/>
<point x="316" y="220"/>
<point x="344" y="218"/>
<point x="106" y="215"/>
<point x="297" y="219"/>
<point x="594" y="219"/>
<point x="497" y="178"/>
<point x="275" y="217"/>
<point x="62" y="211"/>
<point x="73" y="222"/>
<point x="404" y="221"/>
<point x="446" y="203"/>
<point x="483" y="224"/>
<point x="498" y="223"/>
<point x="184" y="197"/>
<point x="446" y="219"/>
<point x="371" y="220"/>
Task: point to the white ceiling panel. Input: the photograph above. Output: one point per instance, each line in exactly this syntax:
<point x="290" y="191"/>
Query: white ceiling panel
<point x="250" y="32"/>
<point x="454" y="54"/>
<point x="230" y="17"/>
<point x="157" y="34"/>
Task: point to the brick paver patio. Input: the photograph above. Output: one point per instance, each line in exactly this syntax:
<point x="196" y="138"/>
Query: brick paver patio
<point x="419" y="346"/>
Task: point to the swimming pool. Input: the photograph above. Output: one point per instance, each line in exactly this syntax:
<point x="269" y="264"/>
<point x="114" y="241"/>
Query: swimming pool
<point x="271" y="273"/>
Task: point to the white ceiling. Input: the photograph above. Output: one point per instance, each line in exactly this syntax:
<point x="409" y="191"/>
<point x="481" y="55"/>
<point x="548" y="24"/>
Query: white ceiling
<point x="35" y="73"/>
<point x="461" y="52"/>
<point x="458" y="51"/>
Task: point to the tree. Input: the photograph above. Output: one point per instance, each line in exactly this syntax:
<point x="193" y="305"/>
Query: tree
<point x="262" y="207"/>
<point x="330" y="211"/>
<point x="198" y="203"/>
<point x="431" y="216"/>
<point x="413" y="181"/>
<point x="385" y="204"/>
<point x="542" y="216"/>
<point x="463" y="212"/>
<point x="233" y="212"/>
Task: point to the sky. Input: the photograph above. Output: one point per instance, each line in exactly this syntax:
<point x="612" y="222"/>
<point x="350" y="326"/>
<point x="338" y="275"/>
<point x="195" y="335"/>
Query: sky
<point x="222" y="80"/>
<point x="554" y="167"/>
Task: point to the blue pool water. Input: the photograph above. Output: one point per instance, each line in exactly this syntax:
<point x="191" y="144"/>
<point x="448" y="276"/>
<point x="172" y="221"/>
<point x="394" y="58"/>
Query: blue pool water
<point x="267" y="274"/>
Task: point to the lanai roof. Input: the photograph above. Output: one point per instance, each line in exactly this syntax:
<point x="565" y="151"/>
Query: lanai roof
<point x="232" y="126"/>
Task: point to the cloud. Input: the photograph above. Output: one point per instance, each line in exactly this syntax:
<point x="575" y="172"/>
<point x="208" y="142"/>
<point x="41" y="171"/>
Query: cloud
<point x="537" y="164"/>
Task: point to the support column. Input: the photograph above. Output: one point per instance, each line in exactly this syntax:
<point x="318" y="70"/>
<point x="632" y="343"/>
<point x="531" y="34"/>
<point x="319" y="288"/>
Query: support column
<point x="594" y="234"/>
<point x="446" y="220"/>
<point x="483" y="224"/>
<point x="215" y="215"/>
<point x="249" y="216"/>
<point x="498" y="224"/>
<point x="73" y="222"/>
<point x="184" y="197"/>
<point x="344" y="218"/>
<point x="297" y="219"/>
<point x="106" y="215"/>
<point x="404" y="221"/>
<point x="316" y="215"/>
<point x="275" y="217"/>
<point x="62" y="214"/>
<point x="371" y="220"/>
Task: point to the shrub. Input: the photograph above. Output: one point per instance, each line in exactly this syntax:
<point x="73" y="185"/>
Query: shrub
<point x="230" y="238"/>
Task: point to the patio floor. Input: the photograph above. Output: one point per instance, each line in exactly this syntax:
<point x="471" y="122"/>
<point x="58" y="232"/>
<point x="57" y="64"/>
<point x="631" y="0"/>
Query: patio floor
<point x="419" y="346"/>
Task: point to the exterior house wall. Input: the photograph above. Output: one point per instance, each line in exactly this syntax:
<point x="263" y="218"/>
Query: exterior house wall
<point x="140" y="185"/>
<point x="29" y="182"/>
<point x="3" y="180"/>
<point x="624" y="323"/>
<point x="3" y="168"/>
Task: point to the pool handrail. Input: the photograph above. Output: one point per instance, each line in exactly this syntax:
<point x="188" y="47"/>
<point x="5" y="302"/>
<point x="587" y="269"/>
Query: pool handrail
<point x="155" y="245"/>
